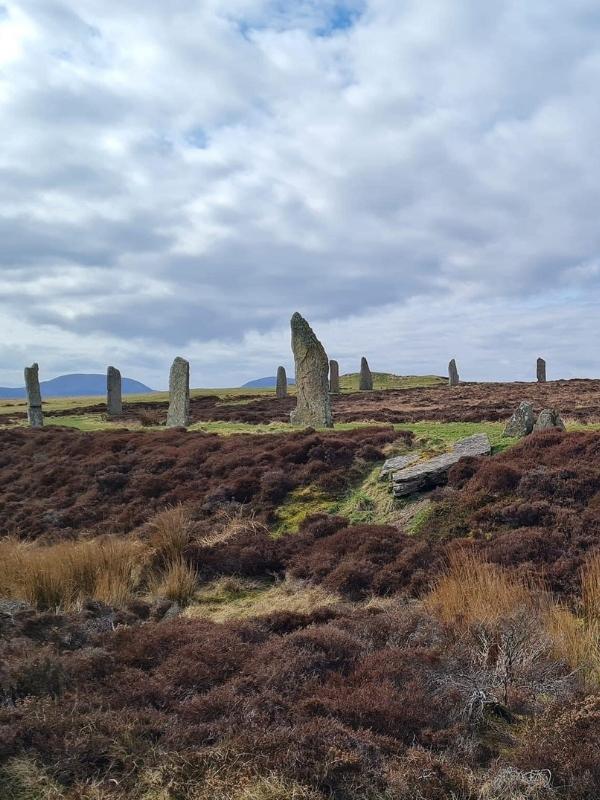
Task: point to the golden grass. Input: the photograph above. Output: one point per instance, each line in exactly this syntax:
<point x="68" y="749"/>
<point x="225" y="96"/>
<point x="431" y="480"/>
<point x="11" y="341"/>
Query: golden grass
<point x="473" y="591"/>
<point x="228" y="525"/>
<point x="232" y="598"/>
<point x="590" y="588"/>
<point x="62" y="575"/>
<point x="178" y="582"/>
<point x="576" y="641"/>
<point x="170" y="533"/>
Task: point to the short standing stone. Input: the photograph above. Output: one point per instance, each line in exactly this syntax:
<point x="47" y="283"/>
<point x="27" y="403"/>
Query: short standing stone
<point x="549" y="419"/>
<point x="281" y="388"/>
<point x="366" y="379"/>
<point x="312" y="387"/>
<point x="114" y="403"/>
<point x="453" y="377"/>
<point x="521" y="422"/>
<point x="34" y="396"/>
<point x="541" y="370"/>
<point x="334" y="377"/>
<point x="178" y="415"/>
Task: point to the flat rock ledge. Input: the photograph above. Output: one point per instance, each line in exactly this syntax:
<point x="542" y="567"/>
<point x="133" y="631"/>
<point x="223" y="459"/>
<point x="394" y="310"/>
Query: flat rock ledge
<point x="412" y="477"/>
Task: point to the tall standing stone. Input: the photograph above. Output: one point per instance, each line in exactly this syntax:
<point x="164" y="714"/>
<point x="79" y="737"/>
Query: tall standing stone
<point x="178" y="415"/>
<point x="453" y="376"/>
<point x="114" y="402"/>
<point x="541" y="370"/>
<point x="34" y="396"/>
<point x="281" y="389"/>
<point x="334" y="377"/>
<point x="365" y="383"/>
<point x="312" y="366"/>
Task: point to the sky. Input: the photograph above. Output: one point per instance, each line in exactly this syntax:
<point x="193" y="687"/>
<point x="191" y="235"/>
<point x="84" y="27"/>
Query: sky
<point x="420" y="179"/>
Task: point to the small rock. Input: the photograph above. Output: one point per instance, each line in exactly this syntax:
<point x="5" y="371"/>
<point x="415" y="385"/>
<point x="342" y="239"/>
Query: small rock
<point x="549" y="419"/>
<point x="521" y="422"/>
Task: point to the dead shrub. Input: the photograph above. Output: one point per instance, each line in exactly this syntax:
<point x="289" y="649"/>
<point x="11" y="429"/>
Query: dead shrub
<point x="514" y="784"/>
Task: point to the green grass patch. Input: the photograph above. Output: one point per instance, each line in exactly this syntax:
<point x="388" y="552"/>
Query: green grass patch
<point x="440" y="436"/>
<point x="298" y="505"/>
<point x="387" y="380"/>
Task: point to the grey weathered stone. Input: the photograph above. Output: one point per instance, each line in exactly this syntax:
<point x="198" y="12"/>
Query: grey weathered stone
<point x="178" y="415"/>
<point x="34" y="396"/>
<point x="549" y="419"/>
<point x="434" y="471"/>
<point x="281" y="388"/>
<point x="398" y="462"/>
<point x="313" y="407"/>
<point x="114" y="402"/>
<point x="366" y="379"/>
<point x="521" y="422"/>
<point x="453" y="377"/>
<point x="334" y="377"/>
<point x="541" y="370"/>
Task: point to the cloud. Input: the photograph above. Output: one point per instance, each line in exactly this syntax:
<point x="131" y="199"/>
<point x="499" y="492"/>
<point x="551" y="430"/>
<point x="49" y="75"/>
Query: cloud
<point x="179" y="181"/>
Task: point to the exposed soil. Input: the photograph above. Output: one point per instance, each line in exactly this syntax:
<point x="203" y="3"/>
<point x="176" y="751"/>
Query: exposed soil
<point x="61" y="482"/>
<point x="477" y="402"/>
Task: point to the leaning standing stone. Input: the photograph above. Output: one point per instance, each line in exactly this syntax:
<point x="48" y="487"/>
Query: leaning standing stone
<point x="313" y="407"/>
<point x="114" y="403"/>
<point x="521" y="422"/>
<point x="178" y="415"/>
<point x="549" y="419"/>
<point x="366" y="379"/>
<point x="453" y="377"/>
<point x="34" y="396"/>
<point x="541" y="370"/>
<point x="281" y="389"/>
<point x="334" y="377"/>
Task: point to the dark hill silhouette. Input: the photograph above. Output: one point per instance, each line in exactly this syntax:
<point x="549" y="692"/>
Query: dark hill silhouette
<point x="77" y="386"/>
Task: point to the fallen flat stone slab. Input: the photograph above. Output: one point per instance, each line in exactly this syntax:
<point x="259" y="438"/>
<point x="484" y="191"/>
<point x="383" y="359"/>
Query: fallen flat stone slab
<point x="398" y="462"/>
<point x="428" y="474"/>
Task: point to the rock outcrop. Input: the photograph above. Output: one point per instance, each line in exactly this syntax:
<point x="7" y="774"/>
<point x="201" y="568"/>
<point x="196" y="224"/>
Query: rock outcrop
<point x="178" y="415"/>
<point x="521" y="422"/>
<point x="334" y="377"/>
<point x="428" y="474"/>
<point x="453" y="376"/>
<point x="365" y="383"/>
<point x="281" y="387"/>
<point x="549" y="419"/>
<point x="313" y="408"/>
<point x="541" y="370"/>
<point x="114" y="402"/>
<point x="34" y="396"/>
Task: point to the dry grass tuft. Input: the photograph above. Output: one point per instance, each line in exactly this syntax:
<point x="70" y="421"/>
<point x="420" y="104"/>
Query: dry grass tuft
<point x="60" y="576"/>
<point x="576" y="641"/>
<point x="170" y="533"/>
<point x="178" y="582"/>
<point x="231" y="524"/>
<point x="590" y="588"/>
<point x="473" y="591"/>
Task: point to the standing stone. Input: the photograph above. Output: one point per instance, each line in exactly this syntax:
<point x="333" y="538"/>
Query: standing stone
<point x="521" y="422"/>
<point x="334" y="377"/>
<point x="34" y="396"/>
<point x="281" y="390"/>
<point x="541" y="370"/>
<point x="114" y="403"/>
<point x="366" y="379"/>
<point x="549" y="419"/>
<point x="178" y="415"/>
<point x="453" y="376"/>
<point x="313" y="407"/>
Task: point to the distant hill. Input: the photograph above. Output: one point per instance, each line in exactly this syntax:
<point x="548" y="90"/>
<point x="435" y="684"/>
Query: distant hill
<point x="265" y="383"/>
<point x="77" y="386"/>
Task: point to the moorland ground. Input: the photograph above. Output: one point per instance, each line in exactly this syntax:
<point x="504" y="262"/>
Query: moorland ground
<point x="243" y="611"/>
